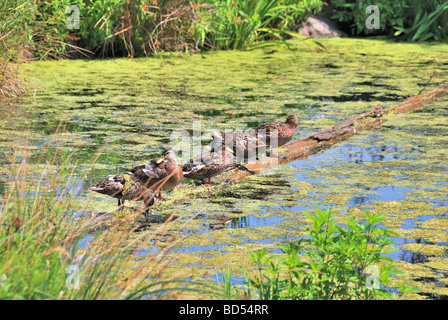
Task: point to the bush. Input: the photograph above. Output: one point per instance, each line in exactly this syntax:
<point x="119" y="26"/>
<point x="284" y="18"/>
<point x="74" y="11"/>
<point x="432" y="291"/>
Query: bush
<point x="28" y="30"/>
<point x="231" y="24"/>
<point x="330" y="262"/>
<point x="410" y="20"/>
<point x="143" y="27"/>
<point x="135" y="27"/>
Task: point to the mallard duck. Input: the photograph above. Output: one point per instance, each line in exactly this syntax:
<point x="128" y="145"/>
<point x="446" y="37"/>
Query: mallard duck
<point x="163" y="173"/>
<point x="124" y="187"/>
<point x="244" y="144"/>
<point x="284" y="134"/>
<point x="209" y="164"/>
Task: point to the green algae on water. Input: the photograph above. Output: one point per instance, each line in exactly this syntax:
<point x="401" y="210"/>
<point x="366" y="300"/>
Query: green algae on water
<point x="129" y="107"/>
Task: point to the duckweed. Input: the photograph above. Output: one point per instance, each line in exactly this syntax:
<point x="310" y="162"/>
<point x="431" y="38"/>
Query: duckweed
<point x="127" y="108"/>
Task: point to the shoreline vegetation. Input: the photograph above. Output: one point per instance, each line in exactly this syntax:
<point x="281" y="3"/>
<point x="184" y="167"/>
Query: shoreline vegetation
<point x="38" y="30"/>
<point x="45" y="253"/>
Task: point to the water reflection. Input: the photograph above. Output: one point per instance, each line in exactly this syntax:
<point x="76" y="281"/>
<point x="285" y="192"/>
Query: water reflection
<point x="388" y="193"/>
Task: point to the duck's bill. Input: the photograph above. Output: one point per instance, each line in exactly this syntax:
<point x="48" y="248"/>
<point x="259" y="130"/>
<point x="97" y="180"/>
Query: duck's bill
<point x="96" y="189"/>
<point x="160" y="160"/>
<point x="229" y="149"/>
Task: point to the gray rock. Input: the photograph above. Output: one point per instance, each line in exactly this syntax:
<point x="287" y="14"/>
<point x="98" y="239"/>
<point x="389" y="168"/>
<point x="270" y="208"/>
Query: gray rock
<point x="320" y="27"/>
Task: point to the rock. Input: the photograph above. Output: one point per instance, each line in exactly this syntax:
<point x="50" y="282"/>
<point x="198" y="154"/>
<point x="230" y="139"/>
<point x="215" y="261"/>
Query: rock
<point x="320" y="27"/>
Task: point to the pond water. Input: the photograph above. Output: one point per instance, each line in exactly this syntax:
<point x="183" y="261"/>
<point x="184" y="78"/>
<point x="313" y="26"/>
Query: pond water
<point x="130" y="107"/>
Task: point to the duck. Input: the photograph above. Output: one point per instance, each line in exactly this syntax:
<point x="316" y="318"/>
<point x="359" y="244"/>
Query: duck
<point x="284" y="134"/>
<point x="209" y="164"/>
<point x="125" y="187"/>
<point x="243" y="144"/>
<point x="163" y="173"/>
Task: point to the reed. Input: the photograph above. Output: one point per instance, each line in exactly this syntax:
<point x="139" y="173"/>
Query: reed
<point x="48" y="252"/>
<point x="233" y="24"/>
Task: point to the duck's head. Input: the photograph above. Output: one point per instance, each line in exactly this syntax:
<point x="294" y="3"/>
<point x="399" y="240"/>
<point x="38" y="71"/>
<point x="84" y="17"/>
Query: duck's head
<point x="218" y="143"/>
<point x="168" y="154"/>
<point x="293" y="120"/>
<point x="216" y="137"/>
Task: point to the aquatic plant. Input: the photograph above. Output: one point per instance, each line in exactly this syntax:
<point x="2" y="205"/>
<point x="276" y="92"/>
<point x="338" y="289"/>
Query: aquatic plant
<point x="330" y="262"/>
<point x="141" y="27"/>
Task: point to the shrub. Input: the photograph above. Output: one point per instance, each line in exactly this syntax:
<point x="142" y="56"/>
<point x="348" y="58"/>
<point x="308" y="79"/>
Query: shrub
<point x="143" y="27"/>
<point x="231" y="24"/>
<point x="410" y="20"/>
<point x="134" y="27"/>
<point x="28" y="30"/>
<point x="330" y="262"/>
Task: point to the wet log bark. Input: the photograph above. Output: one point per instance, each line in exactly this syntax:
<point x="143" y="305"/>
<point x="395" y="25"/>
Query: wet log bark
<point x="316" y="142"/>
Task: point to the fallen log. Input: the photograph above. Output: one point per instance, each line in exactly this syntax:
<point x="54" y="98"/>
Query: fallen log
<point x="311" y="144"/>
<point x="316" y="142"/>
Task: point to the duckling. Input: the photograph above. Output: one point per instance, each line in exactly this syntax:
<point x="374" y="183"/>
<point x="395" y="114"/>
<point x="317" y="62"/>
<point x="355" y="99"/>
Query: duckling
<point x="163" y="173"/>
<point x="284" y="133"/>
<point x="124" y="187"/>
<point x="209" y="164"/>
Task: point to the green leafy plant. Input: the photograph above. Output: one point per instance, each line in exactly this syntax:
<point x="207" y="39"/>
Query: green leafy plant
<point x="330" y="262"/>
<point x="135" y="27"/>
<point x="29" y="30"/>
<point x="430" y="22"/>
<point x="234" y="24"/>
<point x="409" y="20"/>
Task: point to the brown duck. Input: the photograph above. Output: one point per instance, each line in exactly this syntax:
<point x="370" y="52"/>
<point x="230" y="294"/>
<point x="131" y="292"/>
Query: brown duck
<point x="244" y="144"/>
<point x="209" y="164"/>
<point x="124" y="187"/>
<point x="284" y="133"/>
<point x="163" y="173"/>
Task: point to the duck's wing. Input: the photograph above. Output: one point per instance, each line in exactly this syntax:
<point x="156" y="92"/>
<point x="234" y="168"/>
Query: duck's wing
<point x="148" y="171"/>
<point x="268" y="128"/>
<point x="194" y="164"/>
<point x="205" y="159"/>
<point x="239" y="139"/>
<point x="112" y="185"/>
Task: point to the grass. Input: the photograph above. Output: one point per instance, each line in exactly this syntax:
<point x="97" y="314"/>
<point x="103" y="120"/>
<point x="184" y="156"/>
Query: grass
<point x="239" y="24"/>
<point x="47" y="252"/>
<point x="29" y="30"/>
